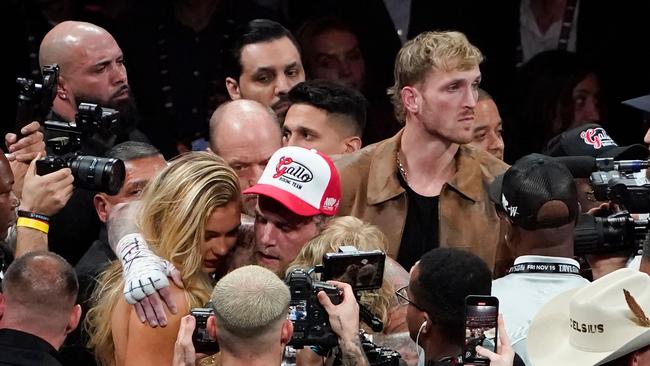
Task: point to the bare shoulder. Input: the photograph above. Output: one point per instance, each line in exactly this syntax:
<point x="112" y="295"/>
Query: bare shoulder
<point x="138" y="343"/>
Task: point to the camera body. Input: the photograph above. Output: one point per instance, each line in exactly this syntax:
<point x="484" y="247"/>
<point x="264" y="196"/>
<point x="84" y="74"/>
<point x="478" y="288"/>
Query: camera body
<point x="90" y="172"/>
<point x="602" y="235"/>
<point x="203" y="342"/>
<point x="35" y="99"/>
<point x="623" y="188"/>
<point x="311" y="325"/>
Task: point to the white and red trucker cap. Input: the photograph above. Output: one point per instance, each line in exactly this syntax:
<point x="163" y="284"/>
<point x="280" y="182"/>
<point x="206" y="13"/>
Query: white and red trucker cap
<point x="305" y="181"/>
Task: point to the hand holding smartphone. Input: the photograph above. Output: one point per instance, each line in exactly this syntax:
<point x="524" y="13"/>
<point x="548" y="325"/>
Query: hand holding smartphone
<point x="481" y="329"/>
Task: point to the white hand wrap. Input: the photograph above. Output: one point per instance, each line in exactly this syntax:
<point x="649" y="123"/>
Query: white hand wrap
<point x="144" y="272"/>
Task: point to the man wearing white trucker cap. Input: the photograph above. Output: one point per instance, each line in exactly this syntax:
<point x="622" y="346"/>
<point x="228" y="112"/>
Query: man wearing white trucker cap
<point x="298" y="191"/>
<point x="603" y="323"/>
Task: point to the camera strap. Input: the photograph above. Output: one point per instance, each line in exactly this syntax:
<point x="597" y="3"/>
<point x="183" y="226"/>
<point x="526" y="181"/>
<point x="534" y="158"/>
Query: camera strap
<point x="542" y="267"/>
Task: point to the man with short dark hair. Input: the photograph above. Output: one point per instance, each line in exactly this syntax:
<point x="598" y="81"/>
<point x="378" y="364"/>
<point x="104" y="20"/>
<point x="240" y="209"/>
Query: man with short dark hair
<point x="537" y="195"/>
<point x="435" y="300"/>
<point x="39" y="292"/>
<point x="488" y="126"/>
<point x="263" y="63"/>
<point x="325" y="116"/>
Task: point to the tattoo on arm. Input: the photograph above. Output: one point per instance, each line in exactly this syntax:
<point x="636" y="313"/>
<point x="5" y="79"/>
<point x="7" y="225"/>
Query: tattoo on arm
<point x="351" y="350"/>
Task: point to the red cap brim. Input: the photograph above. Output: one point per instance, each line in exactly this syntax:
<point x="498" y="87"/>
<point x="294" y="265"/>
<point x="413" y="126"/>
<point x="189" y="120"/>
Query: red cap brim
<point x="293" y="203"/>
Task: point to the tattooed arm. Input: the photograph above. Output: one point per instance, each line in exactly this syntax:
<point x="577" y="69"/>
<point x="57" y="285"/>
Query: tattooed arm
<point x="344" y="319"/>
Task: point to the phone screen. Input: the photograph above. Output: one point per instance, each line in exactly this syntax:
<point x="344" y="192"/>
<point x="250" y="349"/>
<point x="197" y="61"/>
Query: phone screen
<point x="363" y="271"/>
<point x="481" y="314"/>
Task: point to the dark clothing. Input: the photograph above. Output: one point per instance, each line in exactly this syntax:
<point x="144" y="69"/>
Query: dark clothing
<point x="6" y="257"/>
<point x="176" y="72"/>
<point x="77" y="224"/>
<point x="92" y="264"/>
<point x="20" y="348"/>
<point x="420" y="229"/>
<point x="89" y="268"/>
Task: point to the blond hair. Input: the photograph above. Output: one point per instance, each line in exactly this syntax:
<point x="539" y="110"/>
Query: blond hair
<point x="250" y="301"/>
<point x="349" y="230"/>
<point x="446" y="51"/>
<point x="176" y="205"/>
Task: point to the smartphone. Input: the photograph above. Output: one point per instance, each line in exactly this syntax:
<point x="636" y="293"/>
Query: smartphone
<point x="481" y="314"/>
<point x="362" y="270"/>
<point x="201" y="339"/>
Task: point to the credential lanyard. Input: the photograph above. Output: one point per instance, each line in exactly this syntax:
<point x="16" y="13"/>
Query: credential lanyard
<point x="541" y="267"/>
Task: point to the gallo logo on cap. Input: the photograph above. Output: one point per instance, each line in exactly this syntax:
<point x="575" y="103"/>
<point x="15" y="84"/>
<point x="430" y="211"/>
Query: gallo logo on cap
<point x="293" y="170"/>
<point x="597" y="137"/>
<point x="305" y="181"/>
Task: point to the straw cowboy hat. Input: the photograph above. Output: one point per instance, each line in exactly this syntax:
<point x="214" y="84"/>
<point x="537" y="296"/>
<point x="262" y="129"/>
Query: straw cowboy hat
<point x="593" y="324"/>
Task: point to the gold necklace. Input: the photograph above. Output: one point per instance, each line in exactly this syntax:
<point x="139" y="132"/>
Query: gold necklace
<point x="401" y="168"/>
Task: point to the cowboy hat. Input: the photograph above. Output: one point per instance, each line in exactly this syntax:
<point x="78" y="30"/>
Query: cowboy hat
<point x="593" y="324"/>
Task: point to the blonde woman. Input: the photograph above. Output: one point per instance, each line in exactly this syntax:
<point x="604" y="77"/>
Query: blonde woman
<point x="190" y="216"/>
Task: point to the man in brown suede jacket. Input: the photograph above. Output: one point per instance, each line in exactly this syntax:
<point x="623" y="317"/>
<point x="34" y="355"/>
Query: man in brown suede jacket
<point x="425" y="187"/>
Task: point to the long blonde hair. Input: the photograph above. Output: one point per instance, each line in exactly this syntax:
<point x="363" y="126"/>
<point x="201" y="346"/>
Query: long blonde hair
<point x="175" y="207"/>
<point x="349" y="230"/>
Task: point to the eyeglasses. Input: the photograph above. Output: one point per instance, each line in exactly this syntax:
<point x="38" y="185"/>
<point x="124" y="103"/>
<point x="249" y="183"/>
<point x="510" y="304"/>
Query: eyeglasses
<point x="403" y="298"/>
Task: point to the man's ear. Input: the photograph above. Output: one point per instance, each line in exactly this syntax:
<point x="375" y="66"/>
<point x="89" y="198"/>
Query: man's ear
<point x="352" y="144"/>
<point x="286" y="332"/>
<point x="410" y="99"/>
<point x="73" y="321"/>
<point x="233" y="88"/>
<point x="101" y="206"/>
<point x="212" y="326"/>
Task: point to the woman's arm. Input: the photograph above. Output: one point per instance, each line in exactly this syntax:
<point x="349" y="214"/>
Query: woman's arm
<point x="153" y="346"/>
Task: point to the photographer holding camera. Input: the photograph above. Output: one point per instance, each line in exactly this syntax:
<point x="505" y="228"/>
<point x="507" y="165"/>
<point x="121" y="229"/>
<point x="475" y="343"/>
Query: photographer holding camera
<point x="250" y="322"/>
<point x="36" y="197"/>
<point x="610" y="251"/>
<point x="92" y="70"/>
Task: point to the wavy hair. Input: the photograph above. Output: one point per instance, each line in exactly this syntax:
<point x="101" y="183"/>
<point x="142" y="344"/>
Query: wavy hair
<point x="176" y="205"/>
<point x="349" y="230"/>
<point x="446" y="51"/>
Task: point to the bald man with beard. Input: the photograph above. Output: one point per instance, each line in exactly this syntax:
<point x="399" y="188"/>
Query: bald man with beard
<point x="92" y="70"/>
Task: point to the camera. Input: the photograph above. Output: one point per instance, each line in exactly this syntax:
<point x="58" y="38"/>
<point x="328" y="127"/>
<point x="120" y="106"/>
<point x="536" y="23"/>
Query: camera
<point x="35" y="99"/>
<point x="311" y="325"/>
<point x="90" y="172"/>
<point x="602" y="235"/>
<point x="616" y="181"/>
<point x="203" y="342"/>
<point x="377" y="356"/>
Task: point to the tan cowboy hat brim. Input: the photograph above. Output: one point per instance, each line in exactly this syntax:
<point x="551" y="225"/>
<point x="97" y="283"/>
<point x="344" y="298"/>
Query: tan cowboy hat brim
<point x="549" y="344"/>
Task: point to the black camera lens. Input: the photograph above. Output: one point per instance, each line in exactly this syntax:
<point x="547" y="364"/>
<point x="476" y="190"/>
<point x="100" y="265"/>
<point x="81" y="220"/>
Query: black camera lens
<point x="98" y="174"/>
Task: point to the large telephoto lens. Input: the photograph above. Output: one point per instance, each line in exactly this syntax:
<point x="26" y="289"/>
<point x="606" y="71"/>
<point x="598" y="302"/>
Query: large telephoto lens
<point x="98" y="174"/>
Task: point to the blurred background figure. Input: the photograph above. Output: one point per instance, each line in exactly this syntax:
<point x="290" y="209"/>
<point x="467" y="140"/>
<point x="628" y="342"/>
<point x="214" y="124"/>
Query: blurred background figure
<point x="556" y="91"/>
<point x="331" y="50"/>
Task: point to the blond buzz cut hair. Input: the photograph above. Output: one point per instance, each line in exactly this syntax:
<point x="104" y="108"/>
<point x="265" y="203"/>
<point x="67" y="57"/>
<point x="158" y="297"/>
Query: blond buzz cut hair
<point x="250" y="301"/>
<point x="446" y="51"/>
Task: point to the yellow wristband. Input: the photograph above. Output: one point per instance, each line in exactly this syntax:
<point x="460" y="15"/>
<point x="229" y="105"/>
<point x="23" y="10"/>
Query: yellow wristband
<point x="33" y="224"/>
